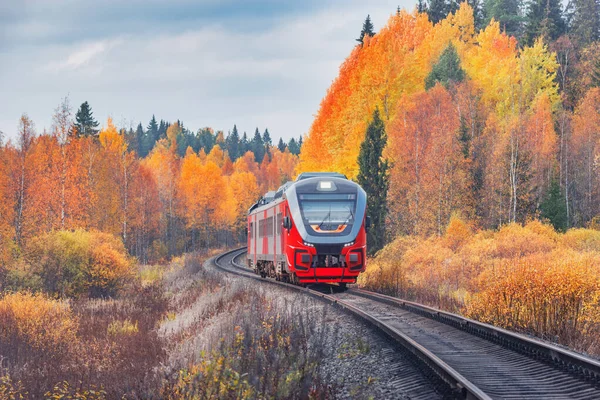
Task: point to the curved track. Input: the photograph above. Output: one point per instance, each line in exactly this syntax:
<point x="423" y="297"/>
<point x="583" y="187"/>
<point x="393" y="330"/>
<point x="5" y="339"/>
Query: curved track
<point x="475" y="360"/>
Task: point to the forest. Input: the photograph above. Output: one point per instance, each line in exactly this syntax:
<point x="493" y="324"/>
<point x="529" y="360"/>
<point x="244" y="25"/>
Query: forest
<point x="473" y="127"/>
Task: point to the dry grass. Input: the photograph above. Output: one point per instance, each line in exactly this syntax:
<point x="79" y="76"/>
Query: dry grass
<point x="191" y="333"/>
<point x="528" y="278"/>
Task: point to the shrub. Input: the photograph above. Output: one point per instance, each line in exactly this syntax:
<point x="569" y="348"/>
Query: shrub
<point x="33" y="324"/>
<point x="75" y="263"/>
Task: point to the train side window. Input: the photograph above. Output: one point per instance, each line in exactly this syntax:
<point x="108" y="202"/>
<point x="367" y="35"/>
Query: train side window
<point x="279" y="222"/>
<point x="269" y="226"/>
<point x="251" y="230"/>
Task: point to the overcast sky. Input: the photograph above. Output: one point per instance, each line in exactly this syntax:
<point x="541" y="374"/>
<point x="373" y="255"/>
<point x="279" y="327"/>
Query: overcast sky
<point x="205" y="62"/>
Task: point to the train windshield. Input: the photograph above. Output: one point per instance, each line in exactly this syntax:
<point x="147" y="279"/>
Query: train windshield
<point x="327" y="212"/>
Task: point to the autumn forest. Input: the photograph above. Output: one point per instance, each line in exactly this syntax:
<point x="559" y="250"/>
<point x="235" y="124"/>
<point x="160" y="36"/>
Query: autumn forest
<point x="485" y="122"/>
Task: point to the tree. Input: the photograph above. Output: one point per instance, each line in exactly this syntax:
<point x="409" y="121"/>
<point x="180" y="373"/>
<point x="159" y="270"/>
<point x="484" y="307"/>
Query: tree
<point x="544" y="18"/>
<point x="421" y="7"/>
<point x="233" y="144"/>
<point x="374" y="179"/>
<point x="293" y="147"/>
<point x="447" y="70"/>
<point x="437" y="11"/>
<point x="367" y="30"/>
<point x="281" y="145"/>
<point x="507" y="13"/>
<point x="85" y="123"/>
<point x="257" y="146"/>
<point x="585" y="22"/>
<point x="554" y="207"/>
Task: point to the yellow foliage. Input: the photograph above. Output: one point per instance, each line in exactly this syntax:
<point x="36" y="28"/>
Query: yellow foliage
<point x="124" y="328"/>
<point x="527" y="277"/>
<point x="38" y="322"/>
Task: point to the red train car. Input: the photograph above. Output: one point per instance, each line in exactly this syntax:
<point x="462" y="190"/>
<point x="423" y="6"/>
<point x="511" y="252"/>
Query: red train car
<point x="311" y="230"/>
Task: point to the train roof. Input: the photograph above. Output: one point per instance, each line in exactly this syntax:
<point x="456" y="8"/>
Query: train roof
<point x="274" y="195"/>
<point x="307" y="175"/>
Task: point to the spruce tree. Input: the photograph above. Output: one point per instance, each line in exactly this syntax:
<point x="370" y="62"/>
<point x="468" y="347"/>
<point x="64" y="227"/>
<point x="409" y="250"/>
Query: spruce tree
<point x="233" y="144"/>
<point x="281" y="145"/>
<point x="367" y="29"/>
<point x="374" y="179"/>
<point x="300" y="144"/>
<point x="139" y="140"/>
<point x="544" y="18"/>
<point x="421" y="7"/>
<point x="244" y="144"/>
<point x="554" y="207"/>
<point x="437" y="10"/>
<point x="585" y="21"/>
<point x="507" y="13"/>
<point x="293" y="147"/>
<point x="206" y="140"/>
<point x="85" y="124"/>
<point x="447" y="70"/>
<point x="257" y="146"/>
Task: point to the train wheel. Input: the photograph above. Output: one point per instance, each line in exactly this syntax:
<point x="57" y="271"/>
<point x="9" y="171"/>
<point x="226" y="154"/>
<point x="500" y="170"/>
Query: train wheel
<point x="343" y="286"/>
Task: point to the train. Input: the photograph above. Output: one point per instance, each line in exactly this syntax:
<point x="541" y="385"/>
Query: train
<point x="311" y="230"/>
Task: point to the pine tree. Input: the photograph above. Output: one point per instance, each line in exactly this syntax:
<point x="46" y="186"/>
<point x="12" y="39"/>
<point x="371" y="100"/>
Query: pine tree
<point x="421" y="6"/>
<point x="162" y="130"/>
<point x="233" y="144"/>
<point x="300" y="144"/>
<point x="367" y="29"/>
<point x="447" y="70"/>
<point x="257" y="146"/>
<point x="544" y="18"/>
<point x="585" y="21"/>
<point x="85" y="124"/>
<point x="373" y="176"/>
<point x="281" y="145"/>
<point x="554" y="207"/>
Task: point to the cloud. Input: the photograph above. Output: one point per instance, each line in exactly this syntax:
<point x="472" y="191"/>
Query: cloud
<point x="227" y="64"/>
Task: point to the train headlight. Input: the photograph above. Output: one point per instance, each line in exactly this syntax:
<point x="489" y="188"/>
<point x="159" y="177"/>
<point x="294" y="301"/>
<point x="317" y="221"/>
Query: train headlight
<point x="326" y="186"/>
<point x="308" y="244"/>
<point x="349" y="244"/>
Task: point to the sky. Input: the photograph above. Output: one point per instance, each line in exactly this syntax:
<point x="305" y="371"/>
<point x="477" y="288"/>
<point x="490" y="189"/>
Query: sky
<point x="264" y="63"/>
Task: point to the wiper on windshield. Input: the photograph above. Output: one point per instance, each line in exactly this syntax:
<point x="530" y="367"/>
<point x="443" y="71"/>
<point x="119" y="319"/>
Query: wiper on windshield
<point x="349" y="216"/>
<point x="326" y="217"/>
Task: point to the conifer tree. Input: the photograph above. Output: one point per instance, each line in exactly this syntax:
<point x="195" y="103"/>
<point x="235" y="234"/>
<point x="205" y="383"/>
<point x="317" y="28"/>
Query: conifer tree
<point x="233" y="144"/>
<point x="300" y="144"/>
<point x="507" y="13"/>
<point x="367" y="29"/>
<point x="85" y="124"/>
<point x="544" y="18"/>
<point x="281" y="145"/>
<point x="293" y="146"/>
<point x="373" y="176"/>
<point x="447" y="70"/>
<point x="206" y="140"/>
<point x="139" y="140"/>
<point x="585" y="21"/>
<point x="421" y="6"/>
<point x="257" y="146"/>
<point x="554" y="207"/>
<point x="437" y="10"/>
<point x="244" y="144"/>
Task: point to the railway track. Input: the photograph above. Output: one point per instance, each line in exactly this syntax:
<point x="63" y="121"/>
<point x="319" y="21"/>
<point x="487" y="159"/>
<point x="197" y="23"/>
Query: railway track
<point x="474" y="360"/>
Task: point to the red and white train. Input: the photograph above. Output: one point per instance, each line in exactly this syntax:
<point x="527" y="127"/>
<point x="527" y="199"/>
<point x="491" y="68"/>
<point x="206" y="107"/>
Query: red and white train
<point x="311" y="230"/>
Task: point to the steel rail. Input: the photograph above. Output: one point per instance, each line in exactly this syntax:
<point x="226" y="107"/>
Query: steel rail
<point x="460" y="386"/>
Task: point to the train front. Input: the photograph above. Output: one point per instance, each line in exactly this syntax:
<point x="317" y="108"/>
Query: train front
<point x="326" y="236"/>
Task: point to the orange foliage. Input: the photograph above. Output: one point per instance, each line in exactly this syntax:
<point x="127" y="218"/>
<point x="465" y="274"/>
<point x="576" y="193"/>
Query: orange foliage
<point x="35" y="322"/>
<point x="528" y="278"/>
